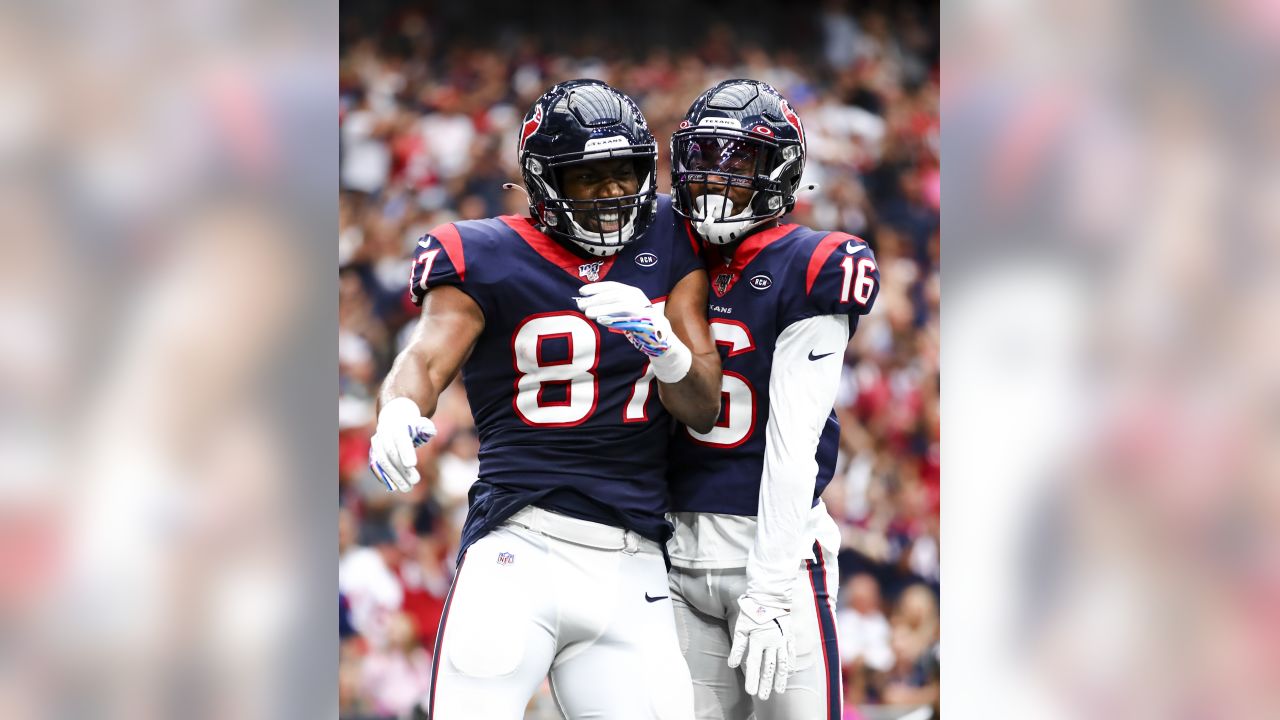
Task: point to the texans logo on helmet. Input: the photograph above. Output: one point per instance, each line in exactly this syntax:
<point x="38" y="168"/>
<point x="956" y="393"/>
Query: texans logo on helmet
<point x="530" y="126"/>
<point x="792" y="119"/>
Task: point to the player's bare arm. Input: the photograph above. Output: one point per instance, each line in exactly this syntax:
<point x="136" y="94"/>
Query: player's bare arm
<point x="694" y="400"/>
<point x="443" y="338"/>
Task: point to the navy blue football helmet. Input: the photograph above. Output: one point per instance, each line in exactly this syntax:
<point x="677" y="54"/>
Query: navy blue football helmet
<point x="583" y="121"/>
<point x="739" y="136"/>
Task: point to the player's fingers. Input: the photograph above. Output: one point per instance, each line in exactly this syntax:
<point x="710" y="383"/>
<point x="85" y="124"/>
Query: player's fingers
<point x="596" y="288"/>
<point x="610" y="307"/>
<point x="381" y="474"/>
<point x="768" y="666"/>
<point x="393" y="470"/>
<point x="588" y="302"/>
<point x="783" y="672"/>
<point x="752" y="684"/>
<point x="423" y="430"/>
<point x="626" y="321"/>
<point x="404" y="451"/>
<point x="387" y="470"/>
<point x="735" y="652"/>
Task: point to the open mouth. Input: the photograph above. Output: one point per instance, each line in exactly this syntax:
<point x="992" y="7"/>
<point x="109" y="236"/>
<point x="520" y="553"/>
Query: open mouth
<point x="607" y="222"/>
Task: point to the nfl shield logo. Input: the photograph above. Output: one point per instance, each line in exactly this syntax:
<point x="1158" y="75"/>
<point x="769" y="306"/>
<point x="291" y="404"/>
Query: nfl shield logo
<point x="722" y="282"/>
<point x="590" y="271"/>
<point x="506" y="558"/>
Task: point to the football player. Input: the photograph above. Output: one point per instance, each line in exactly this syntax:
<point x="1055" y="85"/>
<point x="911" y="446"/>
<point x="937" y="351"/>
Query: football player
<point x="754" y="551"/>
<point x="561" y="569"/>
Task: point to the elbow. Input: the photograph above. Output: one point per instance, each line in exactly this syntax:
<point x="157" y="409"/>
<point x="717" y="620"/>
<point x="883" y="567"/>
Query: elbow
<point x="707" y="415"/>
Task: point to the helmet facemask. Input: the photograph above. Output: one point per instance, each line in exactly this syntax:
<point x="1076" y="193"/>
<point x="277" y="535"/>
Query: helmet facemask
<point x="600" y="226"/>
<point x="728" y="182"/>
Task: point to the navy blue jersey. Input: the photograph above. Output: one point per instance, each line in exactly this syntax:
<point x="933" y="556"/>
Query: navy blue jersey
<point x="567" y="412"/>
<point x="776" y="277"/>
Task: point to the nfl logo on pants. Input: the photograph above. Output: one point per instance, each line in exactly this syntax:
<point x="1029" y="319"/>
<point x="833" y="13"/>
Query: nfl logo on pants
<point x="506" y="558"/>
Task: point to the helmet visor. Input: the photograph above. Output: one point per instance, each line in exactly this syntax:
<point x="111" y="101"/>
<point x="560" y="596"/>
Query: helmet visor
<point x="730" y="157"/>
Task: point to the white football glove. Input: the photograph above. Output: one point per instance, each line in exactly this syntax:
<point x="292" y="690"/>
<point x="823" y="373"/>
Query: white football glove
<point x="393" y="454"/>
<point x="763" y="635"/>
<point x="626" y="309"/>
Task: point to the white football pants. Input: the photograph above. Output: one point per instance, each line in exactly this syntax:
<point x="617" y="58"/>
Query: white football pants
<point x="583" y="602"/>
<point x="706" y="605"/>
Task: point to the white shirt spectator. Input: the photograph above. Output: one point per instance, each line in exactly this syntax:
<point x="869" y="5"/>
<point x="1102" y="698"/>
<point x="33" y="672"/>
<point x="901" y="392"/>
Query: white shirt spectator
<point x="448" y="138"/>
<point x="366" y="160"/>
<point x="864" y="636"/>
<point x="861" y="627"/>
<point x="372" y="589"/>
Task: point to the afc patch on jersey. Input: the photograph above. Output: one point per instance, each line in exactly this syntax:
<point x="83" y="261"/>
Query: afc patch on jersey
<point x="591" y="270"/>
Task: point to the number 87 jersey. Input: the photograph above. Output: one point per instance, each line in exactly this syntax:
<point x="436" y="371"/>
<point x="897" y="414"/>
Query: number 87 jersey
<point x="775" y="279"/>
<point x="568" y="413"/>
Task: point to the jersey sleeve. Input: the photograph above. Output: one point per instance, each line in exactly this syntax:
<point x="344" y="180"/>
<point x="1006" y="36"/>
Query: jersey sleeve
<point x="841" y="277"/>
<point x="438" y="260"/>
<point x="807" y="360"/>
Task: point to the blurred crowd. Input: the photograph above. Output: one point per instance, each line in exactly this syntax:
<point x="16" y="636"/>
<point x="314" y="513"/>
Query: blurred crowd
<point x="428" y="121"/>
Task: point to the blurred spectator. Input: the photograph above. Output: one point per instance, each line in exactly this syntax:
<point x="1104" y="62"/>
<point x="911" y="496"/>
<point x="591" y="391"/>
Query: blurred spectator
<point x="913" y="679"/>
<point x="459" y="468"/>
<point x="367" y="579"/>
<point x="397" y="678"/>
<point x="864" y="636"/>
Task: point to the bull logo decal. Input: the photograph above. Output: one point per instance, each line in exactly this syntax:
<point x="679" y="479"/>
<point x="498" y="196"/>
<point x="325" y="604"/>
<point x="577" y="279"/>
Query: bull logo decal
<point x="530" y="126"/>
<point x="792" y="119"/>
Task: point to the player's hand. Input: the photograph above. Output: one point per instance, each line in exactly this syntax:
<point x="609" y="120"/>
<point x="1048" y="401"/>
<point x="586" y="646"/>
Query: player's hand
<point x="625" y="309"/>
<point x="763" y="635"/>
<point x="393" y="454"/>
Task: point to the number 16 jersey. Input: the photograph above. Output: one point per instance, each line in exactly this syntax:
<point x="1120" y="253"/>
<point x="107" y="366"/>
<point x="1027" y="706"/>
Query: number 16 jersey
<point x="776" y="278"/>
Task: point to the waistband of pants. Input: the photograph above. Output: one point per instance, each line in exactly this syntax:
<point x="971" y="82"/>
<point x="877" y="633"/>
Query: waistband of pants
<point x="580" y="532"/>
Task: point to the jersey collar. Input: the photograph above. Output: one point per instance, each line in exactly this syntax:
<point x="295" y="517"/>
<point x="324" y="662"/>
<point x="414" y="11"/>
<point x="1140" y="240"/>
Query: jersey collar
<point x="553" y="252"/>
<point x="725" y="273"/>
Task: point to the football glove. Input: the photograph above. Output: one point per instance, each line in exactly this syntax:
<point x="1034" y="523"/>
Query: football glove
<point x="393" y="454"/>
<point x="627" y="310"/>
<point x="763" y="635"/>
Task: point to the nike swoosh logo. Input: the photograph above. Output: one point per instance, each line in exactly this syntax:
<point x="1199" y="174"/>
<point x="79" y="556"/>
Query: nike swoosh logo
<point x="819" y="357"/>
<point x="649" y="598"/>
<point x="852" y="249"/>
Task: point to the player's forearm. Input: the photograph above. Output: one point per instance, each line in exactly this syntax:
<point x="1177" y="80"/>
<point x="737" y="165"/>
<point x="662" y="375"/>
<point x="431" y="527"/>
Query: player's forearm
<point x="410" y="377"/>
<point x="695" y="399"/>
<point x="780" y="534"/>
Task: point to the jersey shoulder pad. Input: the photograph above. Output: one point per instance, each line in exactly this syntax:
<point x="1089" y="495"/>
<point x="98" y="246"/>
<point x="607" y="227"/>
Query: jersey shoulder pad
<point x="439" y="259"/>
<point x="841" y="276"/>
<point x="452" y="254"/>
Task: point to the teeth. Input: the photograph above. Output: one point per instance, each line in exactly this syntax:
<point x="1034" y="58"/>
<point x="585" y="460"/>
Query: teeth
<point x="608" y="217"/>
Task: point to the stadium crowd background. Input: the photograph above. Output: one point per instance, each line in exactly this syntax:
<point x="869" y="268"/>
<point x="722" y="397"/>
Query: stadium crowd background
<point x="430" y="102"/>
